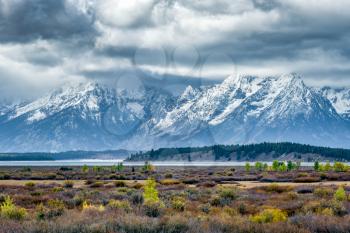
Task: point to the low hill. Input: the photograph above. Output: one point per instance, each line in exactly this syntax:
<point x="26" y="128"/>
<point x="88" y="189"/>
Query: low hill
<point x="251" y="152"/>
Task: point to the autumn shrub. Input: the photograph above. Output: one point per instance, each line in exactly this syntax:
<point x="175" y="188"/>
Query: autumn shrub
<point x="55" y="208"/>
<point x="205" y="208"/>
<point x="9" y="210"/>
<point x="57" y="189"/>
<point x="190" y="181"/>
<point x="178" y="203"/>
<point x="228" y="193"/>
<point x="137" y="185"/>
<point x="29" y="184"/>
<point x="68" y="184"/>
<point x="168" y="176"/>
<point x="153" y="209"/>
<point x="340" y="194"/>
<point x="307" y="179"/>
<point x="86" y="207"/>
<point x="323" y="192"/>
<point x="96" y="184"/>
<point x="269" y="215"/>
<point x="119" y="205"/>
<point x="275" y="188"/>
<point x="322" y="223"/>
<point x="120" y="183"/>
<point x="337" y="207"/>
<point x="170" y="182"/>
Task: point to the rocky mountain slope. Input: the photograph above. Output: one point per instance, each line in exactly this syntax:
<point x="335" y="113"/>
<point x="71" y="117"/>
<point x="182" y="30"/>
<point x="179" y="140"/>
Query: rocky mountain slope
<point x="244" y="109"/>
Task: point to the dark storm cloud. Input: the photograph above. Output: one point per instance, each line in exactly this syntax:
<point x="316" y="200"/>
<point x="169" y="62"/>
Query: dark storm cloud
<point x="25" y="21"/>
<point x="96" y="38"/>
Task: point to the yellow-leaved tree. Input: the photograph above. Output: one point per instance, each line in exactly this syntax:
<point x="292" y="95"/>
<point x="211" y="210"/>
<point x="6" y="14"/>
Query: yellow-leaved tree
<point x="150" y="191"/>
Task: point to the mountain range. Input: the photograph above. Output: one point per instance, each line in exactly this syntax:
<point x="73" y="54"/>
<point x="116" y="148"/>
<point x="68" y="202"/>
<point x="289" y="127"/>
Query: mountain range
<point x="243" y="109"/>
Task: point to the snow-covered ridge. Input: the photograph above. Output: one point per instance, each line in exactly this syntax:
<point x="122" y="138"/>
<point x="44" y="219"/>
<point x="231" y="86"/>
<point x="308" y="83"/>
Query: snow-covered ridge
<point x="88" y="95"/>
<point x="241" y="109"/>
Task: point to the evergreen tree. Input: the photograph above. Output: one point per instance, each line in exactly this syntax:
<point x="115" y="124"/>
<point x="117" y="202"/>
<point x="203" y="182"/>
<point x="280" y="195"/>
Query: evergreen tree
<point x="316" y="166"/>
<point x="247" y="167"/>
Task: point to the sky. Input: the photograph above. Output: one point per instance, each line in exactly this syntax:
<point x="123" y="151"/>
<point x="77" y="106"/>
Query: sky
<point x="46" y="43"/>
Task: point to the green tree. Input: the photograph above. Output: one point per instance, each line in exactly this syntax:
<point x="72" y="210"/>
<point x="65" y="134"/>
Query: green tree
<point x="97" y="169"/>
<point x="327" y="167"/>
<point x="150" y="193"/>
<point x="120" y="167"/>
<point x="265" y="167"/>
<point x="282" y="167"/>
<point x="85" y="168"/>
<point x="340" y="167"/>
<point x="316" y="166"/>
<point x="275" y="165"/>
<point x="114" y="168"/>
<point x="290" y="165"/>
<point x="259" y="166"/>
<point x="247" y="167"/>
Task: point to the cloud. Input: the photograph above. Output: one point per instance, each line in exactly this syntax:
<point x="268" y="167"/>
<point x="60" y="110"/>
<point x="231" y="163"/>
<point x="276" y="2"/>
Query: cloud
<point x="199" y="38"/>
<point x="23" y="21"/>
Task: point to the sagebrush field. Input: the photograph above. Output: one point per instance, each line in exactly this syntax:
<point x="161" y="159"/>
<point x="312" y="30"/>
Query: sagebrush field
<point x="118" y="199"/>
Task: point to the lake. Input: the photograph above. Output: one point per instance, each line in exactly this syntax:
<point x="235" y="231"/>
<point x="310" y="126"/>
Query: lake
<point x="103" y="162"/>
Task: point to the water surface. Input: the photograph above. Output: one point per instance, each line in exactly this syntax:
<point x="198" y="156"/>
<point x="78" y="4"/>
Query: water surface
<point x="103" y="162"/>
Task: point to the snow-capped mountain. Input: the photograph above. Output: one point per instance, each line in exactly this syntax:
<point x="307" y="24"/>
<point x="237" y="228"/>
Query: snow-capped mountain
<point x="340" y="99"/>
<point x="252" y="109"/>
<point x="85" y="116"/>
<point x="244" y="109"/>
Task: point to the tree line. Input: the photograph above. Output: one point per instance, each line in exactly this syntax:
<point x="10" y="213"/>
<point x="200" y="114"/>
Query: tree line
<point x="250" y="151"/>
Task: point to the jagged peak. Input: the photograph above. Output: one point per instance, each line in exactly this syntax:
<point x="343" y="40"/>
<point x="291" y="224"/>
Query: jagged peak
<point x="292" y="78"/>
<point x="239" y="79"/>
<point x="75" y="87"/>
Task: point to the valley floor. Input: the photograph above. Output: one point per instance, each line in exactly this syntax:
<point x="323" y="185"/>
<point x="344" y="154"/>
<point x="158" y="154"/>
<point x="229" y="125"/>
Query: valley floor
<point x="148" y="199"/>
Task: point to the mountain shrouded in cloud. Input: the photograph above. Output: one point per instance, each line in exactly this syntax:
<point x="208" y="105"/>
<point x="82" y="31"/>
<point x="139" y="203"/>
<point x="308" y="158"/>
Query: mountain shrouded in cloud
<point x="65" y="66"/>
<point x="243" y="109"/>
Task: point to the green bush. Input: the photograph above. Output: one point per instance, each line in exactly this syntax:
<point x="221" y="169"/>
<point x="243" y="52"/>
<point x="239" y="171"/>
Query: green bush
<point x="9" y="210"/>
<point x="340" y="194"/>
<point x="340" y="167"/>
<point x="230" y="194"/>
<point x="85" y="168"/>
<point x="269" y="216"/>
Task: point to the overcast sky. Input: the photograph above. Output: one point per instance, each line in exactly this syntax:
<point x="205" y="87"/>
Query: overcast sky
<point x="45" y="43"/>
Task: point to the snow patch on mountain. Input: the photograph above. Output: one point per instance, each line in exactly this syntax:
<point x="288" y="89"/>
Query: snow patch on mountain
<point x="340" y="99"/>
